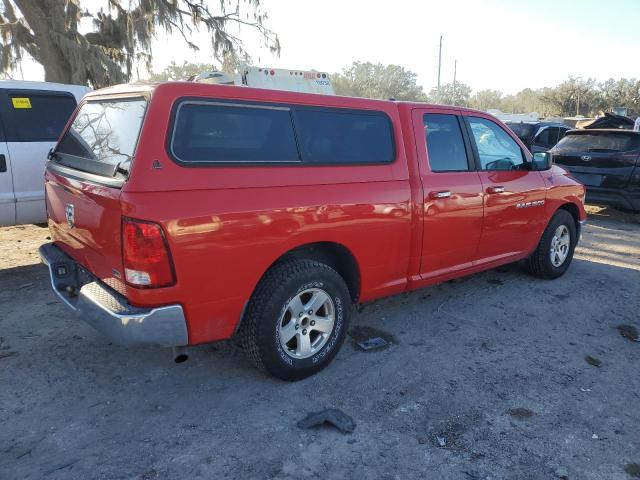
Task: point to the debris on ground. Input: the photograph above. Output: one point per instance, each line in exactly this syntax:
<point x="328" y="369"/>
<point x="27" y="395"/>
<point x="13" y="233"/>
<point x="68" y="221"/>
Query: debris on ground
<point x="629" y="332"/>
<point x="372" y="343"/>
<point x="561" y="472"/>
<point x="520" y="413"/>
<point x="596" y="362"/>
<point x="595" y="437"/>
<point x="332" y="416"/>
<point x="370" y="337"/>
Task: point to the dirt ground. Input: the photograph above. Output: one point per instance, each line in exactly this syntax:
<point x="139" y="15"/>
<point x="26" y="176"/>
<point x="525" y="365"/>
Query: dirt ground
<point x="495" y="376"/>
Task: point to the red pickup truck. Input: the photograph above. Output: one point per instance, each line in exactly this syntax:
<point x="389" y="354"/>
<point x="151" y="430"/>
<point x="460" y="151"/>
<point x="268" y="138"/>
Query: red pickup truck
<point x="185" y="213"/>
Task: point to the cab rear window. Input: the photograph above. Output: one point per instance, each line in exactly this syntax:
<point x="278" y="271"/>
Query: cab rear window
<point x="103" y="136"/>
<point x="208" y="132"/>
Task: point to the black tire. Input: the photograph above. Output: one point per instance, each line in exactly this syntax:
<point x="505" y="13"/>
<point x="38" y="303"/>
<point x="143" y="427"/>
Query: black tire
<point x="260" y="330"/>
<point x="539" y="263"/>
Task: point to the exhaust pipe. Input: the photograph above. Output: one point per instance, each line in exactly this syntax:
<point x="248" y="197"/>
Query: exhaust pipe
<point x="180" y="354"/>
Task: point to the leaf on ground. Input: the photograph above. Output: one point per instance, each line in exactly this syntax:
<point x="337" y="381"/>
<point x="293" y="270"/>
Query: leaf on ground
<point x="596" y="362"/>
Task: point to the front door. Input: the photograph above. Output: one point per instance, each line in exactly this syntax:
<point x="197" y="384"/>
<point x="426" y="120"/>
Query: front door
<point x="452" y="203"/>
<point x="514" y="195"/>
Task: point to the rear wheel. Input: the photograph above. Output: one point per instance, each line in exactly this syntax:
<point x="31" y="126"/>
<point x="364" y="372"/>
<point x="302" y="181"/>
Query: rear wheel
<point x="554" y="253"/>
<point x="296" y="319"/>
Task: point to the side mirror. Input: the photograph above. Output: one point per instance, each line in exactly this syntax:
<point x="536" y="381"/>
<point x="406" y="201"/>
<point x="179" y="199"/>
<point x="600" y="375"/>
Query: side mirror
<point x="542" y="161"/>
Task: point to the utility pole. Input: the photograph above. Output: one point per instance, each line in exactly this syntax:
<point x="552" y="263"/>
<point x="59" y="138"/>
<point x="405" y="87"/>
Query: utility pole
<point x="439" y="65"/>
<point x="455" y="72"/>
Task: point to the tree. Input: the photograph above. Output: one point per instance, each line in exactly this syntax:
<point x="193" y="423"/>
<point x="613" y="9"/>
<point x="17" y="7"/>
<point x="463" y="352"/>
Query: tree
<point x="574" y="97"/>
<point x="451" y="94"/>
<point x="486" y="99"/>
<point x="621" y="93"/>
<point x="180" y="72"/>
<point x="365" y="79"/>
<point x="121" y="35"/>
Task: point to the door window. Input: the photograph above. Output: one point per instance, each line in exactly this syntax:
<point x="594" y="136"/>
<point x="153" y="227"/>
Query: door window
<point x="496" y="149"/>
<point x="37" y="117"/>
<point x="445" y="144"/>
<point x="547" y="138"/>
<point x="562" y="132"/>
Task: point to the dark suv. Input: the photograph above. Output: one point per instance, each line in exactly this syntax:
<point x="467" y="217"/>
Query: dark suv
<point x="539" y="136"/>
<point x="606" y="161"/>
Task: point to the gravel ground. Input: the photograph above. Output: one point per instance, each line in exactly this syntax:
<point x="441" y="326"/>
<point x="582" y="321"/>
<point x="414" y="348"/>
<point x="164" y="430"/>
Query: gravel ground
<point x="495" y="376"/>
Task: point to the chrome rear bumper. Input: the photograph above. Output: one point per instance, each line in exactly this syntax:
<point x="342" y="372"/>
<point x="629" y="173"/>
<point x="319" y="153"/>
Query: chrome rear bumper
<point x="108" y="311"/>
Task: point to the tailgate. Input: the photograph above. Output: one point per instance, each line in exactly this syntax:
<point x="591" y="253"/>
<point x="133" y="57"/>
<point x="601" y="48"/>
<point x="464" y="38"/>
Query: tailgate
<point x="83" y="182"/>
<point x="85" y="222"/>
<point x="596" y="169"/>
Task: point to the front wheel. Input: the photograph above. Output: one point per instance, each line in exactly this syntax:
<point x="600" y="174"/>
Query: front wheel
<point x="296" y="319"/>
<point x="554" y="253"/>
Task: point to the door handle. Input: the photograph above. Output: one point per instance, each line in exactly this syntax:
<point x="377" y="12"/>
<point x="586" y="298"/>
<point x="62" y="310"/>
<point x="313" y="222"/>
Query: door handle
<point x="497" y="189"/>
<point x="3" y="164"/>
<point x="440" y="195"/>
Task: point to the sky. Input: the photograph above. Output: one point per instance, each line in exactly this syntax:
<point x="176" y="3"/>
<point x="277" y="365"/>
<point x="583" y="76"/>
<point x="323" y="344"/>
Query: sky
<point x="505" y="45"/>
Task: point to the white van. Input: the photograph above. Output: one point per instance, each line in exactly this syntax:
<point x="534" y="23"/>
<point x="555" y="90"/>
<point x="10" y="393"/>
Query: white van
<point x="32" y="116"/>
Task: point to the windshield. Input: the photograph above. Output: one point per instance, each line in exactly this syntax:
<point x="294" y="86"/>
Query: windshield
<point x="600" y="142"/>
<point x="523" y="130"/>
<point x="103" y="136"/>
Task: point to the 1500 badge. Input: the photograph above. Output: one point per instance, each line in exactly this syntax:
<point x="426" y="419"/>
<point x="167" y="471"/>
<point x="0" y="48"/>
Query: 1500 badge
<point x="537" y="203"/>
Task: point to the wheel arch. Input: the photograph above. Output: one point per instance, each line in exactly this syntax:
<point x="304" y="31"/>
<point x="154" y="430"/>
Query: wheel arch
<point x="574" y="211"/>
<point x="334" y="254"/>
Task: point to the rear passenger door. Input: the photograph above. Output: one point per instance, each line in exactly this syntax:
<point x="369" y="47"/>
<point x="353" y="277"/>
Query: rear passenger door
<point x="514" y="195"/>
<point x="34" y="120"/>
<point x="452" y="203"/>
<point x="7" y="198"/>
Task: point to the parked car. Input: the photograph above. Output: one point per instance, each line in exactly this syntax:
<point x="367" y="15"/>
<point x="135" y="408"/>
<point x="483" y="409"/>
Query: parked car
<point x="32" y="116"/>
<point x="607" y="161"/>
<point x="608" y="120"/>
<point x="186" y="213"/>
<point x="539" y="136"/>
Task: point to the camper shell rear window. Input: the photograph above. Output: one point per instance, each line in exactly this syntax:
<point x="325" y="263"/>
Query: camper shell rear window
<point x="103" y="136"/>
<point x="219" y="133"/>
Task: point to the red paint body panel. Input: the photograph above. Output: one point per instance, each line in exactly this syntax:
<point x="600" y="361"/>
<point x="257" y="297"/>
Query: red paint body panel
<point x="94" y="241"/>
<point x="444" y="250"/>
<point x="226" y="225"/>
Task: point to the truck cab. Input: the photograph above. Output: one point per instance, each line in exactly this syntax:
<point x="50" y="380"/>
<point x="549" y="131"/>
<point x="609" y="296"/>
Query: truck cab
<point x="185" y="213"/>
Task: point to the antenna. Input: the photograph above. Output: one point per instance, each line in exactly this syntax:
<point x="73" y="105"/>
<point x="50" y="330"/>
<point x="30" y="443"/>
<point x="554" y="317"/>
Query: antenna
<point x="439" y="66"/>
<point x="455" y="72"/>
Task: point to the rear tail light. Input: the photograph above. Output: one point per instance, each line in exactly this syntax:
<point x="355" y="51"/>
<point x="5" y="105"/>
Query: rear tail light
<point x="147" y="260"/>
